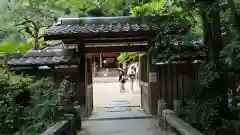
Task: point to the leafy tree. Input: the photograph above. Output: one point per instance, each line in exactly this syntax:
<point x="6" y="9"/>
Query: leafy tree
<point x="7" y="30"/>
<point x="29" y="16"/>
<point x="127" y="57"/>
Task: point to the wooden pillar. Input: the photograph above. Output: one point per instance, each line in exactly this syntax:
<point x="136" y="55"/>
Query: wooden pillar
<point x="139" y="70"/>
<point x="94" y="66"/>
<point x="152" y="82"/>
<point x="89" y="87"/>
<point x="144" y="84"/>
<point x="81" y="77"/>
<point x="100" y="60"/>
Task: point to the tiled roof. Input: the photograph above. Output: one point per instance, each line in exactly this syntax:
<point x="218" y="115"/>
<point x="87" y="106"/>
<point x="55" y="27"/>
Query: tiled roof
<point x="44" y="57"/>
<point x="50" y="52"/>
<point x="102" y="25"/>
<point x="39" y="60"/>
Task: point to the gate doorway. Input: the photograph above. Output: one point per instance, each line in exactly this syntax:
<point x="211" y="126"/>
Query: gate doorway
<point x="108" y="34"/>
<point x="104" y="99"/>
<point x="107" y="97"/>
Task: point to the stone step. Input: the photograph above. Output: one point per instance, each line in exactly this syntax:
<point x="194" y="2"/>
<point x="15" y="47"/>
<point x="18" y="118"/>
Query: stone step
<point x="118" y="115"/>
<point x="100" y="74"/>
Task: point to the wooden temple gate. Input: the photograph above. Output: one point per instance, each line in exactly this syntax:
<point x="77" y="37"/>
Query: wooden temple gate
<point x="143" y="78"/>
<point x="108" y="34"/>
<point x="101" y="35"/>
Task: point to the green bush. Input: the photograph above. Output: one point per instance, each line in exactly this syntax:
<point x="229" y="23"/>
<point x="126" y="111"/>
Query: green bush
<point x="7" y="47"/>
<point x="31" y="106"/>
<point x="205" y="118"/>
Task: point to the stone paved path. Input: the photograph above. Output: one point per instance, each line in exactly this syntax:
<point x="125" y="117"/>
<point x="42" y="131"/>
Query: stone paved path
<point x="105" y="93"/>
<point x="108" y="79"/>
<point x="117" y="113"/>
<point x="121" y="127"/>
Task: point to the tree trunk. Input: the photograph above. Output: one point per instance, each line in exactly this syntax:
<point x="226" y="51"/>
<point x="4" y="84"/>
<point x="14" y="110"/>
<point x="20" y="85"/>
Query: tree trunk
<point x="36" y="37"/>
<point x="207" y="36"/>
<point x="213" y="41"/>
<point x="216" y="46"/>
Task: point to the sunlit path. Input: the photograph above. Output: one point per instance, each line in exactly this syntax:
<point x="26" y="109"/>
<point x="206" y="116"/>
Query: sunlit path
<point x="105" y="93"/>
<point x="121" y="127"/>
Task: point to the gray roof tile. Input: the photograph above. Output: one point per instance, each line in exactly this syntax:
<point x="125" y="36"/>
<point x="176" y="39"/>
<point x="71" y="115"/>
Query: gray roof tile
<point x="42" y="57"/>
<point x="96" y="25"/>
<point x="40" y="60"/>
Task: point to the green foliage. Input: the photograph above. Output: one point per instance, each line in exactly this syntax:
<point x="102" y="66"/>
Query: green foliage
<point x="208" y="75"/>
<point x="7" y="47"/>
<point x="31" y="106"/>
<point x="177" y="47"/>
<point x="205" y="118"/>
<point x="208" y="114"/>
<point x="230" y="55"/>
<point x="50" y="107"/>
<point x="127" y="57"/>
<point x="154" y="7"/>
<point x="26" y="17"/>
<point x="174" y="33"/>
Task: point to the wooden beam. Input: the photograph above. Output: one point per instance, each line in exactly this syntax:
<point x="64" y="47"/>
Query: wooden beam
<point x="81" y="75"/>
<point x="139" y="48"/>
<point x="115" y="54"/>
<point x="90" y="36"/>
<point x="108" y="40"/>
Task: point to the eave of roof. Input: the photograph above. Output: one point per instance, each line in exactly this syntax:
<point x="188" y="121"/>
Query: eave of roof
<point x="103" y="27"/>
<point x="50" y="56"/>
<point x="42" y="61"/>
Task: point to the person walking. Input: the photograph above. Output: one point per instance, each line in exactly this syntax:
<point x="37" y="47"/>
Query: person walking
<point x="132" y="76"/>
<point x="121" y="81"/>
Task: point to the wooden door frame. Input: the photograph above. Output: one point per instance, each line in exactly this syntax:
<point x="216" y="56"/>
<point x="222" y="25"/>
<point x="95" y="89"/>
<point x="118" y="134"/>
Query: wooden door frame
<point x="89" y="86"/>
<point x="152" y="97"/>
<point x="144" y="87"/>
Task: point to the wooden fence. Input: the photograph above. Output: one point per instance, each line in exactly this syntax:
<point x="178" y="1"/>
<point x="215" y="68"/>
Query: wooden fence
<point x="178" y="81"/>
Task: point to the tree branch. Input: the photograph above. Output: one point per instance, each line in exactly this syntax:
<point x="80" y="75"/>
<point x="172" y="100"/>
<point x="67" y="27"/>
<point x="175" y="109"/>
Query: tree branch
<point x="31" y="22"/>
<point x="27" y="29"/>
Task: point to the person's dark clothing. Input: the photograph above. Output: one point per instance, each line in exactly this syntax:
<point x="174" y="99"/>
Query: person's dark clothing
<point x="120" y="78"/>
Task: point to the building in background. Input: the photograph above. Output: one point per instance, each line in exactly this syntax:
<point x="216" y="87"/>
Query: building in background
<point x="104" y="64"/>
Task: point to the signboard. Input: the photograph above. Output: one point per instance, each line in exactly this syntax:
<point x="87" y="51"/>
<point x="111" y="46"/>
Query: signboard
<point x="152" y="77"/>
<point x="110" y="60"/>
